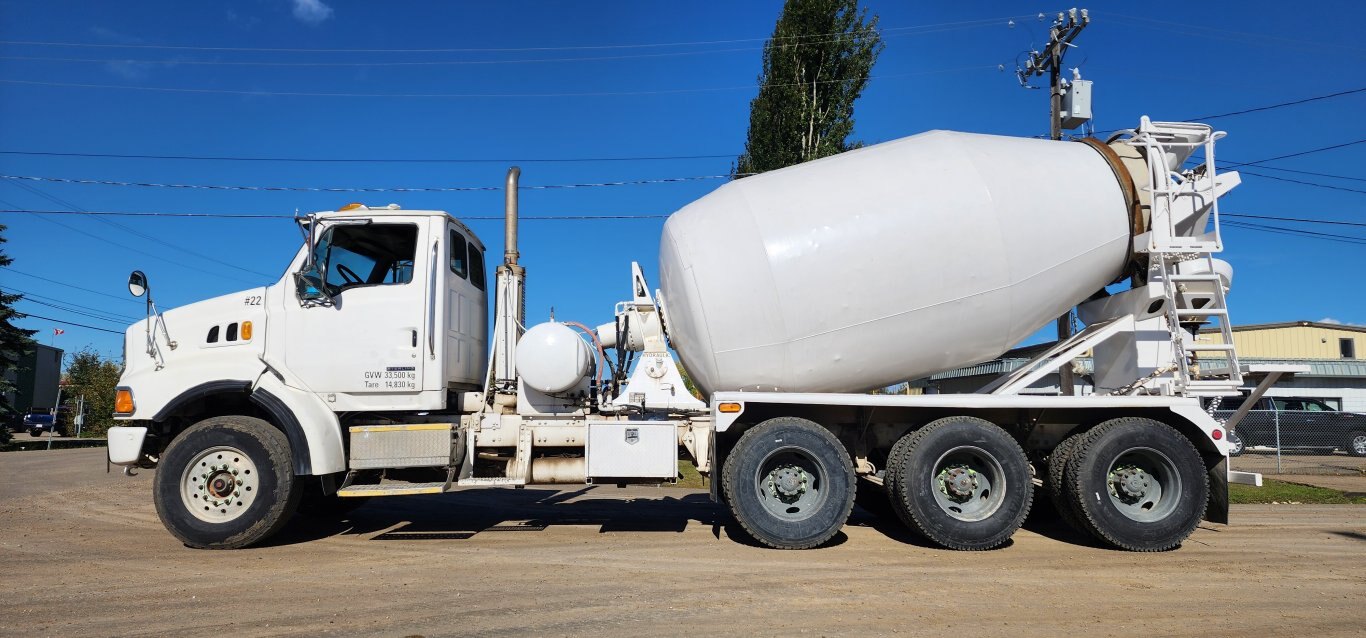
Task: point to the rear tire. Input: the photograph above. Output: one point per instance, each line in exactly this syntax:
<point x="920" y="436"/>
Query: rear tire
<point x="961" y="482"/>
<point x="1137" y="484"/>
<point x="1056" y="482"/>
<point x="226" y="483"/>
<point x="789" y="483"/>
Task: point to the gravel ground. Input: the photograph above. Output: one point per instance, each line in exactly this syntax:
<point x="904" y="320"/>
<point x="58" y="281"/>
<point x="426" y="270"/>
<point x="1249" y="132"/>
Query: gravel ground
<point x="82" y="553"/>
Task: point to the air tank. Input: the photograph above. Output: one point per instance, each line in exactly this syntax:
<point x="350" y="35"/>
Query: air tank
<point x="889" y="262"/>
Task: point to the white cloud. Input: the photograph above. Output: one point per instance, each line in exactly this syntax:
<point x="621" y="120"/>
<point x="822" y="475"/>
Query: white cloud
<point x="311" y="11"/>
<point x="1328" y="320"/>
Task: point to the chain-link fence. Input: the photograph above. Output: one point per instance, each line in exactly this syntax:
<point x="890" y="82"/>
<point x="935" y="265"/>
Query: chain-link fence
<point x="1292" y="436"/>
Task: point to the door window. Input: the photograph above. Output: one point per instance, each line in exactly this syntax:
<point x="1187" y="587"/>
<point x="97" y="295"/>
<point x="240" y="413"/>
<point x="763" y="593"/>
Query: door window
<point x="368" y="255"/>
<point x="459" y="256"/>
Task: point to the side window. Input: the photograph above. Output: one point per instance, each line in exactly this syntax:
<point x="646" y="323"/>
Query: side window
<point x="459" y="255"/>
<point x="476" y="267"/>
<point x="369" y="254"/>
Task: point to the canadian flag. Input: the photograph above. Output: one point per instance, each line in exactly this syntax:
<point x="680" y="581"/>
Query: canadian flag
<point x="58" y="331"/>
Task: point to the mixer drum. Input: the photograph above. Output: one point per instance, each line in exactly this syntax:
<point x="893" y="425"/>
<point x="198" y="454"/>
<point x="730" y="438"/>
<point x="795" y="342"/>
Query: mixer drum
<point x="889" y="262"/>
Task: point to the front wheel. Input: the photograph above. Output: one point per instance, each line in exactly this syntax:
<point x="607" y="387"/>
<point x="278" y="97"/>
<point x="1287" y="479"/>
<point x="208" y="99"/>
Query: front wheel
<point x="1137" y="484"/>
<point x="1356" y="444"/>
<point x="226" y="483"/>
<point x="790" y="483"/>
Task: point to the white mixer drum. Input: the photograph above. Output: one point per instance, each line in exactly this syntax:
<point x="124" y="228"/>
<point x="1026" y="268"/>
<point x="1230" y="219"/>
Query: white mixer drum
<point x="889" y="262"/>
<point x="552" y="358"/>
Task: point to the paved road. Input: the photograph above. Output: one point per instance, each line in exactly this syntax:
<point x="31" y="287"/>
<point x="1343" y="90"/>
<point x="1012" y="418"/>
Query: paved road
<point x="82" y="553"/>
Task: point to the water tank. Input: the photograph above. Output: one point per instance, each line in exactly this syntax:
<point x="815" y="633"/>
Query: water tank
<point x="551" y="358"/>
<point x="889" y="262"/>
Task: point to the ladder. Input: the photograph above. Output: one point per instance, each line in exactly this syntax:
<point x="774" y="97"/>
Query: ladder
<point x="1184" y="204"/>
<point x="1193" y="378"/>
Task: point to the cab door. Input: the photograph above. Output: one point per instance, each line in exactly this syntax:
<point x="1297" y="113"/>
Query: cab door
<point x="369" y="340"/>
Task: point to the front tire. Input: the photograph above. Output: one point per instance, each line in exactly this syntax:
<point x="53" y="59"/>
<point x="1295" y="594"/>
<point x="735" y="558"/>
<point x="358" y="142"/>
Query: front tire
<point x="961" y="482"/>
<point x="226" y="483"/>
<point x="1356" y="444"/>
<point x="789" y="483"/>
<point x="1137" y="484"/>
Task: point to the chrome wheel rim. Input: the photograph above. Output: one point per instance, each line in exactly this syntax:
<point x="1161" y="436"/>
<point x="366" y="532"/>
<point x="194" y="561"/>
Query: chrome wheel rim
<point x="1359" y="444"/>
<point x="219" y="485"/>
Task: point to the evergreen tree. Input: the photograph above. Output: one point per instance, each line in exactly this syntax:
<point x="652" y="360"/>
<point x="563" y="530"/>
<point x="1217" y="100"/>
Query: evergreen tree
<point x="815" y="66"/>
<point x="15" y="342"/>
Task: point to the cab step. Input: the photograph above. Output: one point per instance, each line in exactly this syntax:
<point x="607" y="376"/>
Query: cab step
<point x="392" y="489"/>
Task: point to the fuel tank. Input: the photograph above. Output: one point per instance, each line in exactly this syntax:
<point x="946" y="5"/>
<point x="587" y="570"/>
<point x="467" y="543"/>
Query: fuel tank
<point x="889" y="262"/>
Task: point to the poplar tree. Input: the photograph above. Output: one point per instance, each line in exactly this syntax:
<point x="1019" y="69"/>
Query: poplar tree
<point x="815" y="66"/>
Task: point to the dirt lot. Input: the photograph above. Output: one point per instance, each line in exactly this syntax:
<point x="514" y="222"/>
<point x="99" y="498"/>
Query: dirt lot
<point x="82" y="553"/>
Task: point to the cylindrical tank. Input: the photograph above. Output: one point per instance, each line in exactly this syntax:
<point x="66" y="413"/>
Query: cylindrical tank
<point x="889" y="262"/>
<point x="552" y="358"/>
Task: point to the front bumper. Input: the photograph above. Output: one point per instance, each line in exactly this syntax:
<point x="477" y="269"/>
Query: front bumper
<point x="125" y="444"/>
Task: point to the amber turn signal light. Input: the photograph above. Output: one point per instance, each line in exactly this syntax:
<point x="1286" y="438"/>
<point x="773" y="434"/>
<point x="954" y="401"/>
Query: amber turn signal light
<point x="246" y="331"/>
<point x="728" y="408"/>
<point x="123" y="401"/>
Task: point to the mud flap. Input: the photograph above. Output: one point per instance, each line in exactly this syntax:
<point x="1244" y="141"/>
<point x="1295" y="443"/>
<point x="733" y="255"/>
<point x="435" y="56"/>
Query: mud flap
<point x="1216" y="511"/>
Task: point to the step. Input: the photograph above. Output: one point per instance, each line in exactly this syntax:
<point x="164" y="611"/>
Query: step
<point x="1202" y="312"/>
<point x="1206" y="277"/>
<point x="392" y="489"/>
<point x="491" y="481"/>
<point x="1207" y="347"/>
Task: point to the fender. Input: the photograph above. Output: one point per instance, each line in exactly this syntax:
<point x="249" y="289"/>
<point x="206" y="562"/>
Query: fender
<point x="315" y="435"/>
<point x="199" y="392"/>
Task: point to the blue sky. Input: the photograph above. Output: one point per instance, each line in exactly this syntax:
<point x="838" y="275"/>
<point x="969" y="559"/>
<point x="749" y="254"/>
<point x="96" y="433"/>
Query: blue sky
<point x="609" y="97"/>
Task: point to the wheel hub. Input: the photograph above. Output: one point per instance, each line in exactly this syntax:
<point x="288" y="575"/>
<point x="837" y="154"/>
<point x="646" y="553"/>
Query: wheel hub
<point x="958" y="482"/>
<point x="219" y="484"/>
<point x="1129" y="483"/>
<point x="788" y="482"/>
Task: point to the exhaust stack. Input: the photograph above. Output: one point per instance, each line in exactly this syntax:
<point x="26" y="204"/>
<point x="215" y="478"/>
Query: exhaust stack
<point x="510" y="253"/>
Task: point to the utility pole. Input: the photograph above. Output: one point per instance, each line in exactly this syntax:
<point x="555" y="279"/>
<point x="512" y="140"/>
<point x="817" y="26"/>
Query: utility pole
<point x="1066" y="27"/>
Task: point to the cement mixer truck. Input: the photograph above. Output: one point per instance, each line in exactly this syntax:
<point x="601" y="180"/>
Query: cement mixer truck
<point x="369" y="370"/>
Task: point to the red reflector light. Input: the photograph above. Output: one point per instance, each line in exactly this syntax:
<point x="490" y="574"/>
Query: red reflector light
<point x="1217" y="434"/>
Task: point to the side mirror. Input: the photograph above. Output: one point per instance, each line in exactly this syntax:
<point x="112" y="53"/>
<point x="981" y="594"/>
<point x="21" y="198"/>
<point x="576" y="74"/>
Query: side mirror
<point x="137" y="283"/>
<point x="309" y="286"/>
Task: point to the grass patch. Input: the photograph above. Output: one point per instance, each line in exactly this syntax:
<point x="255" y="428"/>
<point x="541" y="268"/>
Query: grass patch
<point x="688" y="476"/>
<point x="1273" y="491"/>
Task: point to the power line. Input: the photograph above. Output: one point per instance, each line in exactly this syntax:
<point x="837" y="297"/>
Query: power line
<point x="1302" y="182"/>
<point x="62" y="202"/>
<point x="1295" y="219"/>
<point x="27" y="296"/>
<point x="129" y="248"/>
<point x="745" y="87"/>
<point x="1346" y="239"/>
<point x="85" y="314"/>
<point x="1328" y="175"/>
<point x="1297" y="154"/>
<point x="429" y="63"/>
<point x="1240" y="36"/>
<point x="290" y="217"/>
<point x="323" y="189"/>
<point x="72" y="323"/>
<point x="389" y="160"/>
<point x="883" y="30"/>
<point x="1267" y="107"/>
<point x="62" y="283"/>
